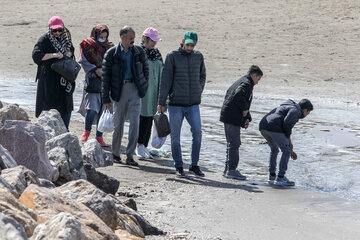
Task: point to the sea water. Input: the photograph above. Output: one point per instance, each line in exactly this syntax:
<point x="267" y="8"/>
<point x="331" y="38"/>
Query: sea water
<point x="327" y="141"/>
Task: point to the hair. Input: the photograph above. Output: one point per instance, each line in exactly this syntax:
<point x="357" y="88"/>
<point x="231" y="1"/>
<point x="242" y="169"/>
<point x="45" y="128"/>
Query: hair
<point x="144" y="39"/>
<point x="254" y="69"/>
<point x="125" y="30"/>
<point x="306" y="104"/>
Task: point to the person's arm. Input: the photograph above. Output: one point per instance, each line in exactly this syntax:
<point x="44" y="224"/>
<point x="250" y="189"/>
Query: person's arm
<point x="86" y="65"/>
<point x="290" y="120"/>
<point x="39" y="53"/>
<point x="145" y="65"/>
<point x="202" y="73"/>
<point x="106" y="76"/>
<point x="166" y="81"/>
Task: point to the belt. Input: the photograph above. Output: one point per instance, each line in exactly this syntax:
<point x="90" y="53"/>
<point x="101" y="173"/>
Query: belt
<point x="128" y="81"/>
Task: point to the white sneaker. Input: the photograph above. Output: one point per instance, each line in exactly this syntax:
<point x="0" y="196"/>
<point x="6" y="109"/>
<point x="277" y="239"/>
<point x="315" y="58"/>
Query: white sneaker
<point x="140" y="152"/>
<point x="147" y="153"/>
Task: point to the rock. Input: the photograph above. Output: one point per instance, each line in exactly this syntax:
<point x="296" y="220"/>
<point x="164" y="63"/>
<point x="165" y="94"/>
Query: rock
<point x="46" y="183"/>
<point x="131" y="204"/>
<point x="62" y="226"/>
<point x="11" y="229"/>
<point x="102" y="204"/>
<point x="65" y="151"/>
<point x="6" y="160"/>
<point x="5" y="184"/>
<point x="1" y="105"/>
<point x="52" y="123"/>
<point x="20" y="177"/>
<point x="93" y="153"/>
<point x="48" y="203"/>
<point x="12" y="112"/>
<point x="123" y="234"/>
<point x="100" y="180"/>
<point x="26" y="143"/>
<point x="10" y="206"/>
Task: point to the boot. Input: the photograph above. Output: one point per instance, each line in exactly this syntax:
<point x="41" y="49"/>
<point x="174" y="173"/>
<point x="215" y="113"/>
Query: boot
<point x="84" y="137"/>
<point x="101" y="141"/>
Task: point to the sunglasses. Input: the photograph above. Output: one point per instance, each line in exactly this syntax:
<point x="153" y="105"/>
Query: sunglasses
<point x="60" y="30"/>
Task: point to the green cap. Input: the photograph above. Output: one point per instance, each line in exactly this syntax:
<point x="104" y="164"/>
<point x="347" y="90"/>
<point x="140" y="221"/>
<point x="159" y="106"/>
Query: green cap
<point x="190" y="37"/>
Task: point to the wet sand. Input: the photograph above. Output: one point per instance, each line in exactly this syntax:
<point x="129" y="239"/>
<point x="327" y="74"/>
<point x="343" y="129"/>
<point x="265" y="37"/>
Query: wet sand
<point x="306" y="49"/>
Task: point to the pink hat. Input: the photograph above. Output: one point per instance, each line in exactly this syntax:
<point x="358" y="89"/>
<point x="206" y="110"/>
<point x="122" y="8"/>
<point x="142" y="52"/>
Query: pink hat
<point x="56" y="22"/>
<point x="152" y="33"/>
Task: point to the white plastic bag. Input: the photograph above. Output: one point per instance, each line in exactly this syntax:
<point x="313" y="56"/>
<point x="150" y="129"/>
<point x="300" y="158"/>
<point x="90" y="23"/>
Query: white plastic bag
<point x="156" y="141"/>
<point x="106" y="123"/>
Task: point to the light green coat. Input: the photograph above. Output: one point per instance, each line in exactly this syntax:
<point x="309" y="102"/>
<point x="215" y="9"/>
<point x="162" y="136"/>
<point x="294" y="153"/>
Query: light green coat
<point x="149" y="102"/>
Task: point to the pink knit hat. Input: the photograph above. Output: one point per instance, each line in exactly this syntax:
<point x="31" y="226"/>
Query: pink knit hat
<point x="56" y="22"/>
<point x="152" y="33"/>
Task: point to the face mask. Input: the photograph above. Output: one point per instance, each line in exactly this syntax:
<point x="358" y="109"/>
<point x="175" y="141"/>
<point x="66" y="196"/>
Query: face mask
<point x="100" y="40"/>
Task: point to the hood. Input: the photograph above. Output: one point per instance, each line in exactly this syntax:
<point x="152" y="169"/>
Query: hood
<point x="291" y="103"/>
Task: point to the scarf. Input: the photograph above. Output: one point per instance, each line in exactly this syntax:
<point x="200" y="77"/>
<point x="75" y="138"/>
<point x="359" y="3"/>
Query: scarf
<point x="153" y="54"/>
<point x="93" y="50"/>
<point x="62" y="43"/>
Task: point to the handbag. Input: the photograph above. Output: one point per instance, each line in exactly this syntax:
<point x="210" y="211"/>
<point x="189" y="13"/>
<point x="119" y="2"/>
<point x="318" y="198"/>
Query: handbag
<point x="66" y="67"/>
<point x="162" y="125"/>
<point x="92" y="84"/>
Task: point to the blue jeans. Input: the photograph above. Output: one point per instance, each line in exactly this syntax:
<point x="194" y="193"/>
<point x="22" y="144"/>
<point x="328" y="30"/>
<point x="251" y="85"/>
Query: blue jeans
<point x="277" y="140"/>
<point x="176" y="117"/>
<point x="89" y="119"/>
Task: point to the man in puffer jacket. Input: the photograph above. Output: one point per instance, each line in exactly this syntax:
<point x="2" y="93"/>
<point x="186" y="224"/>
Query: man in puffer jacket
<point x="276" y="128"/>
<point x="183" y="80"/>
<point x="235" y="114"/>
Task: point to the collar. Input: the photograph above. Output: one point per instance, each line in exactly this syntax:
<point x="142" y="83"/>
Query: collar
<point x="250" y="79"/>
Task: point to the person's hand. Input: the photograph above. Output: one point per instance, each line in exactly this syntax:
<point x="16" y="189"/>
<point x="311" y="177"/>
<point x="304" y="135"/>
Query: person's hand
<point x="107" y="105"/>
<point x="290" y="144"/>
<point x="58" y="55"/>
<point x="246" y="124"/>
<point x="244" y="113"/>
<point x="293" y="156"/>
<point x="99" y="72"/>
<point x="160" y="108"/>
<point x="69" y="54"/>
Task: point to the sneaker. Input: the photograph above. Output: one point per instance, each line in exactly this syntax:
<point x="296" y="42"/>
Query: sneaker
<point x="140" y="152"/>
<point x="84" y="137"/>
<point x="180" y="172"/>
<point x="196" y="170"/>
<point x="235" y="174"/>
<point x="116" y="159"/>
<point x="283" y="181"/>
<point x="131" y="162"/>
<point x="226" y="169"/>
<point x="272" y="179"/>
<point x="101" y="141"/>
<point x="147" y="152"/>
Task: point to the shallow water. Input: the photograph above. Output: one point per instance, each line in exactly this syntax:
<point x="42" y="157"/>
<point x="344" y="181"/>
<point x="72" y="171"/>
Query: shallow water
<point x="327" y="141"/>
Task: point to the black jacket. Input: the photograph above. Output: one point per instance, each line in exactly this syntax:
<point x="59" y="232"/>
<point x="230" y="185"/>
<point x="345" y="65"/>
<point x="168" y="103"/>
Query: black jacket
<point x="237" y="99"/>
<point x="283" y="118"/>
<point x="183" y="78"/>
<point x="113" y="71"/>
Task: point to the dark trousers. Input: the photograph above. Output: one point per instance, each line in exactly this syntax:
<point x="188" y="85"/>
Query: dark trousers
<point x="145" y="130"/>
<point x="89" y="119"/>
<point x="232" y="134"/>
<point x="66" y="118"/>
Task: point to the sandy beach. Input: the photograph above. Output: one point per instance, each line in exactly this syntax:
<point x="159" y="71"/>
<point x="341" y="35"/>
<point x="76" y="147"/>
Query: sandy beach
<point x="307" y="49"/>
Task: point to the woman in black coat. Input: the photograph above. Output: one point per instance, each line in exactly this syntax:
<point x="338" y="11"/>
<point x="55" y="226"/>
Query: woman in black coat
<point x="53" y="91"/>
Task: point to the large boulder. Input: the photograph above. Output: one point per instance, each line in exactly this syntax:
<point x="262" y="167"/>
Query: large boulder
<point x="12" y="112"/>
<point x="10" y="206"/>
<point x="93" y="153"/>
<point x="11" y="189"/>
<point x="100" y="180"/>
<point x="26" y="143"/>
<point x="6" y="160"/>
<point x="62" y="226"/>
<point x="48" y="203"/>
<point x="52" y="123"/>
<point x="65" y="151"/>
<point x="10" y="229"/>
<point x="20" y="177"/>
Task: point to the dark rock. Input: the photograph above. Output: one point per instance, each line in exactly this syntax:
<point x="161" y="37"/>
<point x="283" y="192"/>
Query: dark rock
<point x="6" y="160"/>
<point x="46" y="183"/>
<point x="131" y="204"/>
<point x="100" y="180"/>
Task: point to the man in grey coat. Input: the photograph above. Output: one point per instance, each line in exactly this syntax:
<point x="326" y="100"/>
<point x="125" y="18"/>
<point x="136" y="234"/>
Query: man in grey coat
<point x="183" y="80"/>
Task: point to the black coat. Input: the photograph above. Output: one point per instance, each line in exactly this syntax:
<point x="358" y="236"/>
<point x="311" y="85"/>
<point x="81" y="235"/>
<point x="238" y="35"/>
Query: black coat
<point x="237" y="99"/>
<point x="50" y="93"/>
<point x="113" y="72"/>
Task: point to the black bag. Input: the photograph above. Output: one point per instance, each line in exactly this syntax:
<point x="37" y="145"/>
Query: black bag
<point x="67" y="68"/>
<point x="92" y="84"/>
<point x="162" y="124"/>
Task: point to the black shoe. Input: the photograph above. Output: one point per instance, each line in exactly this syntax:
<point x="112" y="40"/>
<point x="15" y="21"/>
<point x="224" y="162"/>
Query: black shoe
<point x="180" y="172"/>
<point x="116" y="159"/>
<point x="196" y="170"/>
<point x="131" y="162"/>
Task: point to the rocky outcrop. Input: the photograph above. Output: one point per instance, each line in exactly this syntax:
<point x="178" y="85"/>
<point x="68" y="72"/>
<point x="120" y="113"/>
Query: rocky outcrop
<point x="12" y="112"/>
<point x="93" y="153"/>
<point x="10" y="206"/>
<point x="62" y="226"/>
<point x="48" y="203"/>
<point x="46" y="183"/>
<point x="64" y="150"/>
<point x="100" y="180"/>
<point x="10" y="229"/>
<point x="52" y="123"/>
<point x="6" y="160"/>
<point x="26" y="143"/>
<point x="19" y="177"/>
